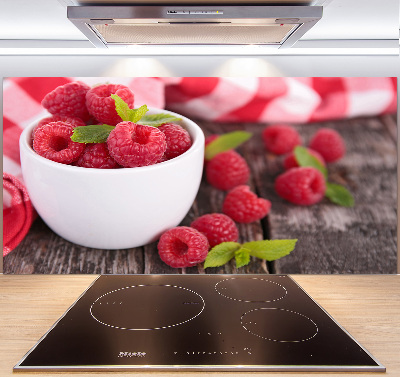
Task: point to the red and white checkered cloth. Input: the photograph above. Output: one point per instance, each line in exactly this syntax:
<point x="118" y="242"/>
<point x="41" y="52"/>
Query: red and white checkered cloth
<point x="262" y="100"/>
<point x="18" y="212"/>
<point x="280" y="99"/>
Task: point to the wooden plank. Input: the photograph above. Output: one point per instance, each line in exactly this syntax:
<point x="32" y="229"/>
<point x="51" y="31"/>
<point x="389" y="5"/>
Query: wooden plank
<point x="44" y="252"/>
<point x="390" y="123"/>
<point x="335" y="239"/>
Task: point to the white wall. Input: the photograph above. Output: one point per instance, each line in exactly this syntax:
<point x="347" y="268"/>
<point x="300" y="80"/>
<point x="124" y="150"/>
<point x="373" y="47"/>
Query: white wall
<point x="306" y="66"/>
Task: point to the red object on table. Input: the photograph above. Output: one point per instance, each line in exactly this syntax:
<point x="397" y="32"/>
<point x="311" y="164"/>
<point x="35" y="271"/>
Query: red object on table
<point x="18" y="215"/>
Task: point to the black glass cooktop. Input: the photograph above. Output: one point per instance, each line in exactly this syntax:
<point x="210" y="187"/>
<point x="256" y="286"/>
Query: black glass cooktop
<point x="197" y="322"/>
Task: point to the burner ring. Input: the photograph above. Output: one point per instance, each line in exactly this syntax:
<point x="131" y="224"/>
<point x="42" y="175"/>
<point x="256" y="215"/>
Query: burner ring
<point x="269" y="330"/>
<point x="282" y="292"/>
<point x="148" y="306"/>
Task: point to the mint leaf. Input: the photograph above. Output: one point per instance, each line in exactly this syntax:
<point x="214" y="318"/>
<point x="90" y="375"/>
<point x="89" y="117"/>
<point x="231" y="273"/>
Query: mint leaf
<point x="157" y="120"/>
<point x="339" y="195"/>
<point x="96" y="133"/>
<point x="125" y="112"/>
<point x="304" y="158"/>
<point x="137" y="114"/>
<point x="270" y="249"/>
<point x="221" y="254"/>
<point x="230" y="140"/>
<point x="122" y="108"/>
<point x="242" y="257"/>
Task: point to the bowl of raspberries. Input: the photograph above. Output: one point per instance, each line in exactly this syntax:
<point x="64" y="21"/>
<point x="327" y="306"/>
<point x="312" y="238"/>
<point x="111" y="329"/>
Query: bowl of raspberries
<point x="104" y="174"/>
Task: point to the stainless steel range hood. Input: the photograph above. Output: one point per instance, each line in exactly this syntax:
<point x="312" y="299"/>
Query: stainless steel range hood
<point x="276" y="26"/>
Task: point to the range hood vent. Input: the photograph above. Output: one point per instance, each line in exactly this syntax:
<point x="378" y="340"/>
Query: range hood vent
<point x="116" y="26"/>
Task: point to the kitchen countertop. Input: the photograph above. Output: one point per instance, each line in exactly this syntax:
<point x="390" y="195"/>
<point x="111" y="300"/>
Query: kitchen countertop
<point x="332" y="239"/>
<point x="367" y="306"/>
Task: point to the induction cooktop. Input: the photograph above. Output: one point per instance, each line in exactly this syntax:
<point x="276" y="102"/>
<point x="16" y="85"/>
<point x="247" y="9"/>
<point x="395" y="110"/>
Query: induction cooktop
<point x="197" y="322"/>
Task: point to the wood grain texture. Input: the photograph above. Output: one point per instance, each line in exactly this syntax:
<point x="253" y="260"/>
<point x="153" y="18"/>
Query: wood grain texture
<point x="362" y="239"/>
<point x="367" y="306"/>
<point x="332" y="239"/>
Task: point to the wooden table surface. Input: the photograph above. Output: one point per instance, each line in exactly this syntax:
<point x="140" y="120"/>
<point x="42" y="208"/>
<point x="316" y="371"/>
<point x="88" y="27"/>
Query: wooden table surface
<point x="367" y="306"/>
<point x="332" y="239"/>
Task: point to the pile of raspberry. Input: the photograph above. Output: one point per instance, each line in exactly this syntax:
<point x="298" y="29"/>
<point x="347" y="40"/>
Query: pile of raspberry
<point x="302" y="185"/>
<point x="128" y="144"/>
<point x="185" y="246"/>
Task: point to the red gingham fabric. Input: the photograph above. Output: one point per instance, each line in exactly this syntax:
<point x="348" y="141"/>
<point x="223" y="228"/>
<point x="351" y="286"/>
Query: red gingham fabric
<point x="260" y="100"/>
<point x="280" y="99"/>
<point x="17" y="215"/>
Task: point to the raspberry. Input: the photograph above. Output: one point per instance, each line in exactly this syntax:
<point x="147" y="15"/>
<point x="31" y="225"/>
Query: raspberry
<point x="217" y="227"/>
<point x="183" y="247"/>
<point x="243" y="205"/>
<point x="75" y="122"/>
<point x="53" y="141"/>
<point x="102" y="106"/>
<point x="280" y="138"/>
<point x="290" y="160"/>
<point x="303" y="185"/>
<point x="329" y="144"/>
<point x="96" y="156"/>
<point x="68" y="100"/>
<point x="177" y="138"/>
<point x="227" y="170"/>
<point x="132" y="145"/>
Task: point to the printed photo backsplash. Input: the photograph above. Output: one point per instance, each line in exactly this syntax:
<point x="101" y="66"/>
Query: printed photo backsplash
<point x="149" y="175"/>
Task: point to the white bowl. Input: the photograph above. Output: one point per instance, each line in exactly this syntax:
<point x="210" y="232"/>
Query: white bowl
<point x="113" y="208"/>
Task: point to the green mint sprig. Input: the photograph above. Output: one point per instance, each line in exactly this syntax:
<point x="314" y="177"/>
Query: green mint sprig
<point x="337" y="194"/>
<point x="156" y="120"/>
<point x="98" y="133"/>
<point x="225" y="142"/>
<point x="269" y="250"/>
<point x="95" y="133"/>
<point x="125" y="112"/>
<point x="139" y="115"/>
<point x="304" y="158"/>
